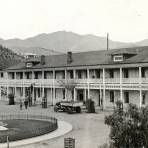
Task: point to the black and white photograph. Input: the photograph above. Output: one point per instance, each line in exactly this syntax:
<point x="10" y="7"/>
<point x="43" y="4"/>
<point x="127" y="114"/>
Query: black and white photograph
<point x="74" y="74"/>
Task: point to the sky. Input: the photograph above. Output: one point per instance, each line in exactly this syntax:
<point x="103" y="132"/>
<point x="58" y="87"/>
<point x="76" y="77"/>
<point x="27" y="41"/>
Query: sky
<point x="124" y="20"/>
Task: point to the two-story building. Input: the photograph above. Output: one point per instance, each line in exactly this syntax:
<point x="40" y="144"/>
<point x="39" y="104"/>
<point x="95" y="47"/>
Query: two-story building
<point x="104" y="76"/>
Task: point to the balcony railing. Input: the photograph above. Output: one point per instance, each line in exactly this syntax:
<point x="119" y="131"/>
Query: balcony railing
<point x="112" y="80"/>
<point x="58" y="82"/>
<point x="130" y="80"/>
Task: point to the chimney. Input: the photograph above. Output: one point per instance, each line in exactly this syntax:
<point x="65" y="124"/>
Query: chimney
<point x="42" y="60"/>
<point x="69" y="57"/>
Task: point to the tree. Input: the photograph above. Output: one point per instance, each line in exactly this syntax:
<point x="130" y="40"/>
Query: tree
<point x="129" y="129"/>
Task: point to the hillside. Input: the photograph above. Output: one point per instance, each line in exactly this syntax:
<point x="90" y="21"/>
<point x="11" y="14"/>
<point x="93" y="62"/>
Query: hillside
<point x="8" y="58"/>
<point x="60" y="42"/>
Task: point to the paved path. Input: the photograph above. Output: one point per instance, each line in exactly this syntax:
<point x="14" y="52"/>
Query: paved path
<point x="63" y="128"/>
<point x="88" y="129"/>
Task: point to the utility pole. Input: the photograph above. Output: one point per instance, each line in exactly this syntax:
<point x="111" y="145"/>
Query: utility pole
<point x="107" y="41"/>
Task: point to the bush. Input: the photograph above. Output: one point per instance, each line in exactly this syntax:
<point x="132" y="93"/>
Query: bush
<point x="129" y="129"/>
<point x="90" y="106"/>
<point x="11" y="99"/>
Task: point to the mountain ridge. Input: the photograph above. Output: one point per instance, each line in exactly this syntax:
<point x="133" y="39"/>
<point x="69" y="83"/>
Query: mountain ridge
<point x="63" y="41"/>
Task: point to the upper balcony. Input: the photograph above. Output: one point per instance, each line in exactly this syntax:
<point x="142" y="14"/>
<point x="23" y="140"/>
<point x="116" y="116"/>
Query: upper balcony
<point x="76" y="82"/>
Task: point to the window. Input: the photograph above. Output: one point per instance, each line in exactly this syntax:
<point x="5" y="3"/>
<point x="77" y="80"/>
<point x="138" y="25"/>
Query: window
<point x="118" y="58"/>
<point x="55" y="93"/>
<point x="12" y="75"/>
<point x="143" y="99"/>
<point x="72" y="94"/>
<point x="63" y="74"/>
<point x="28" y="64"/>
<point x="111" y="73"/>
<point x="39" y="94"/>
<point x="126" y="73"/>
<point x="63" y="93"/>
<point x="142" y="72"/>
<point x="2" y="75"/>
<point x="71" y="74"/>
<point x="45" y="75"/>
<point x="112" y="96"/>
<point x="98" y="73"/>
<point x="21" y="75"/>
<point x="79" y="75"/>
<point x="126" y="97"/>
<point x="27" y="75"/>
<point x="36" y="75"/>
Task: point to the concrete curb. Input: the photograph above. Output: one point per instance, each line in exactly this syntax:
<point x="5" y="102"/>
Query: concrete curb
<point x="63" y="128"/>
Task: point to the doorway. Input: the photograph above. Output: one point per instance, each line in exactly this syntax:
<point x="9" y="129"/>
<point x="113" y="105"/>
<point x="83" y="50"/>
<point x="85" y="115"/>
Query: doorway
<point x="80" y="95"/>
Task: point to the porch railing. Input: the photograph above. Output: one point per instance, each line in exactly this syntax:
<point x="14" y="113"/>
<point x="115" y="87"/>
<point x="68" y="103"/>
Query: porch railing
<point x="57" y="82"/>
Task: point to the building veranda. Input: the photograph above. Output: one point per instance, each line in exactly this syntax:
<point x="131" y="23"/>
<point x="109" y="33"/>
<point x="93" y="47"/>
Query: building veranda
<point x="104" y="76"/>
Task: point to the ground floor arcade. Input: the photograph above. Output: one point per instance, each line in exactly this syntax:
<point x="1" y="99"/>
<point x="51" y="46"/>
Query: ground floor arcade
<point x="106" y="98"/>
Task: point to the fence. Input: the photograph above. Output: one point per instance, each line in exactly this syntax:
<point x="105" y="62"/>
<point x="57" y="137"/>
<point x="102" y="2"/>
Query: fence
<point x="31" y="132"/>
<point x="27" y="117"/>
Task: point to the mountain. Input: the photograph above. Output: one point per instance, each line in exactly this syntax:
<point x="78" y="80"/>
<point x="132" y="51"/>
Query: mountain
<point x="61" y="42"/>
<point x="143" y="42"/>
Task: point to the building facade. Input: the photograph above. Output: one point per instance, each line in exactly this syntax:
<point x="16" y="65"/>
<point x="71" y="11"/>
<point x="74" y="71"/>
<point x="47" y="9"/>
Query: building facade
<point x="103" y="76"/>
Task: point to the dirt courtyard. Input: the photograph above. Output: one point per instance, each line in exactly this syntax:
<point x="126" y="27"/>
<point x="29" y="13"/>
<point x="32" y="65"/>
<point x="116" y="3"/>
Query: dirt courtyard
<point x="89" y="130"/>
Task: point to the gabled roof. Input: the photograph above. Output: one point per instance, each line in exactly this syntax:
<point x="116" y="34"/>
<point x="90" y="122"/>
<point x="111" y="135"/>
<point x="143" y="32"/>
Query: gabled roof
<point x="102" y="57"/>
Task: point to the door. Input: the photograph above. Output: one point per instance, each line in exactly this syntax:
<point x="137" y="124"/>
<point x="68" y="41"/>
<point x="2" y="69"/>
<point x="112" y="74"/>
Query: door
<point x="80" y="95"/>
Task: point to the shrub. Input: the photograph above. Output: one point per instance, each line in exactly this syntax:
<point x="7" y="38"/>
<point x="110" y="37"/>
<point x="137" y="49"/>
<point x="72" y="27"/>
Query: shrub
<point x="129" y="129"/>
<point x="90" y="106"/>
<point x="11" y="99"/>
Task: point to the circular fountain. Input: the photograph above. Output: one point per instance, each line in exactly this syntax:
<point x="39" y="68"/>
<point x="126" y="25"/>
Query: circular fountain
<point x="2" y="126"/>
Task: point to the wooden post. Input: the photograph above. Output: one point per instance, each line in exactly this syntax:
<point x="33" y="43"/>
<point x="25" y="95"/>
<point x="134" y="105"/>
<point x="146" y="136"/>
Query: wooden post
<point x="107" y="41"/>
<point x="7" y="141"/>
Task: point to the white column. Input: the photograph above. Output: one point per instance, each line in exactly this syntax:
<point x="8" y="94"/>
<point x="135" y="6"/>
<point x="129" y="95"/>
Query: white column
<point x="74" y="74"/>
<point x="121" y="91"/>
<point x="15" y="85"/>
<point x="43" y="88"/>
<point x="100" y="95"/>
<point x="140" y="89"/>
<point x="140" y="75"/>
<point x="75" y="94"/>
<point x="85" y="95"/>
<point x="53" y="86"/>
<point x="103" y="76"/>
<point x="23" y="85"/>
<point x="88" y="89"/>
<point x="103" y="88"/>
<point x="66" y="98"/>
<point x="43" y="91"/>
<point x="7" y="85"/>
<point x="51" y="96"/>
<point x="23" y="92"/>
<point x="140" y="96"/>
<point x="0" y="93"/>
<point x="33" y="99"/>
